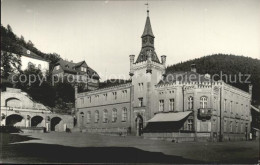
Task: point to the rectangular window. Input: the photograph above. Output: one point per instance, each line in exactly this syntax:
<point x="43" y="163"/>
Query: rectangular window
<point x="140" y="86"/>
<point x="225" y="125"/>
<point x="171" y="106"/>
<point x="105" y="96"/>
<point x="231" y="127"/>
<point x="161" y="107"/>
<point x="89" y="99"/>
<point x="88" y="117"/>
<point x="190" y="124"/>
<point x="124" y="94"/>
<point x="141" y="102"/>
<point x="82" y="101"/>
<point x="115" y="95"/>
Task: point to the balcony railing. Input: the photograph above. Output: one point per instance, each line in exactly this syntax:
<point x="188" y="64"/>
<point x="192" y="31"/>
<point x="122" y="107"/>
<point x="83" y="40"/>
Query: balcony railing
<point x="205" y="112"/>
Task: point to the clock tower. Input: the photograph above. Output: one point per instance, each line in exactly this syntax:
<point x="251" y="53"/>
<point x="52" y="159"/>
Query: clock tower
<point x="145" y="73"/>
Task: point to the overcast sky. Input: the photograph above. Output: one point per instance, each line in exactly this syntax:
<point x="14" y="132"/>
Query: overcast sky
<point x="105" y="33"/>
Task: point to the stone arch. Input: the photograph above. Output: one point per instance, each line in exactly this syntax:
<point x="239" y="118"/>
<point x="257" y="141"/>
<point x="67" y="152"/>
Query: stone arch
<point x="13" y="102"/>
<point x="14" y="120"/>
<point x="55" y="121"/>
<point x="36" y="121"/>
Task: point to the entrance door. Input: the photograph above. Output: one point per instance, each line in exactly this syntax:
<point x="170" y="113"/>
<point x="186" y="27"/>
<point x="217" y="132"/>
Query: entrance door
<point x="139" y="125"/>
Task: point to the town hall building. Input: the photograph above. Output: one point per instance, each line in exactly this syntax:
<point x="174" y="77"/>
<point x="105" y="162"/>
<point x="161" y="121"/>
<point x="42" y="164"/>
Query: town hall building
<point x="161" y="105"/>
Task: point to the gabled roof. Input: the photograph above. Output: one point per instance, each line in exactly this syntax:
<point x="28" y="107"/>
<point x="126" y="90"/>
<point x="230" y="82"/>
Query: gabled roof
<point x="184" y="77"/>
<point x="30" y="54"/>
<point x="70" y="67"/>
<point x="148" y="28"/>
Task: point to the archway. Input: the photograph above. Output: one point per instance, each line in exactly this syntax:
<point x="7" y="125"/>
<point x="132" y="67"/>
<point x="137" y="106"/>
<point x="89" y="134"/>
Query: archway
<point x="13" y="102"/>
<point x="36" y="121"/>
<point x="139" y="125"/>
<point x="14" y="120"/>
<point x="54" y="123"/>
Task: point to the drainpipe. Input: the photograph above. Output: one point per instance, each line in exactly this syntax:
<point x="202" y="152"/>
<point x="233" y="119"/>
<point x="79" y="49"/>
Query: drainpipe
<point x="220" y="115"/>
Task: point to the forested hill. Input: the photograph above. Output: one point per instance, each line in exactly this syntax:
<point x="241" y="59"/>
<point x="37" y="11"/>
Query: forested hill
<point x="227" y="64"/>
<point x="12" y="43"/>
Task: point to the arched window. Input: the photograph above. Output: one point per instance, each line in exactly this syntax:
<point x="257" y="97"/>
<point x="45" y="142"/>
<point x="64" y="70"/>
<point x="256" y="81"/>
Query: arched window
<point x="190" y="102"/>
<point x="203" y="102"/>
<point x="96" y="116"/>
<point x="88" y="117"/>
<point x="105" y="120"/>
<point x="124" y="114"/>
<point x="30" y="65"/>
<point x="114" y="115"/>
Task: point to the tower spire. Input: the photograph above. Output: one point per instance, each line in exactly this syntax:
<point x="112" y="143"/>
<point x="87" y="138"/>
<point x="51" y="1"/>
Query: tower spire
<point x="147" y="42"/>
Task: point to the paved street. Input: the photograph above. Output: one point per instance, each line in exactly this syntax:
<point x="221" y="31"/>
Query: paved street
<point x="87" y="148"/>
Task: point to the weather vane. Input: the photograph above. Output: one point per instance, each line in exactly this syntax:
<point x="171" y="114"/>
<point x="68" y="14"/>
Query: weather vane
<point x="147" y="4"/>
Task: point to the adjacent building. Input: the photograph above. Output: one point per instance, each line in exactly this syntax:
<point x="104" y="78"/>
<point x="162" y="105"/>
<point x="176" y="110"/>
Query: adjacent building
<point x="19" y="110"/>
<point x="30" y="59"/>
<point x="76" y="73"/>
<point x="178" y="106"/>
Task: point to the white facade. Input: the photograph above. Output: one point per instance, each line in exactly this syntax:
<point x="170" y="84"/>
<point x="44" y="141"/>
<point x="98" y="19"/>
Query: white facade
<point x="40" y="64"/>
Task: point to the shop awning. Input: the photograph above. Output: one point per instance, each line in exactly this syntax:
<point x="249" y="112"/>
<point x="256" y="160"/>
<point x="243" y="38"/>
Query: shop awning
<point x="169" y="117"/>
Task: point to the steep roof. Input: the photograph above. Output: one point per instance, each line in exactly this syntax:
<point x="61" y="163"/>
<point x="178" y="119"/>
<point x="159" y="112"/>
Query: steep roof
<point x="184" y="77"/>
<point x="30" y="54"/>
<point x="70" y="67"/>
<point x="148" y="28"/>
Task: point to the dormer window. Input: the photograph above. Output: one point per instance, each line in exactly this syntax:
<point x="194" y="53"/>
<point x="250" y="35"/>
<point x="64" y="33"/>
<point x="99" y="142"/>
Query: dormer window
<point x="83" y="69"/>
<point x="28" y="52"/>
<point x="57" y="67"/>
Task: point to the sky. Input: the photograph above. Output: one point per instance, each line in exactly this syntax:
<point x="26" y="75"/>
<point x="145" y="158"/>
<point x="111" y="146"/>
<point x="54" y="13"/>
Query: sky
<point x="105" y="33"/>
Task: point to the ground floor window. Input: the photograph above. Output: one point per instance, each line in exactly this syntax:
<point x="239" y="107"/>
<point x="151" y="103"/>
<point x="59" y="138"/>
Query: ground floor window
<point x="190" y="124"/>
<point x="124" y="114"/>
<point x="88" y="117"/>
<point x="114" y="115"/>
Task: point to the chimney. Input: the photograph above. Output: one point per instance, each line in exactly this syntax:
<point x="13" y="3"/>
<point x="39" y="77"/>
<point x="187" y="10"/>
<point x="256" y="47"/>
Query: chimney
<point x="132" y="59"/>
<point x="193" y="68"/>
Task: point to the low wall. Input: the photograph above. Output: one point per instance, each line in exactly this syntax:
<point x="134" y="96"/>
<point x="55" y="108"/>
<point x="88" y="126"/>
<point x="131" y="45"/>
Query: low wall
<point x="108" y="131"/>
<point x="33" y="129"/>
<point x="234" y="137"/>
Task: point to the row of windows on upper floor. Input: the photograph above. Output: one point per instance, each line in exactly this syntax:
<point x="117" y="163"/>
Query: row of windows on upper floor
<point x="238" y="108"/>
<point x="235" y="107"/>
<point x="104" y="96"/>
<point x="203" y="103"/>
<point x="105" y="116"/>
<point x="31" y="65"/>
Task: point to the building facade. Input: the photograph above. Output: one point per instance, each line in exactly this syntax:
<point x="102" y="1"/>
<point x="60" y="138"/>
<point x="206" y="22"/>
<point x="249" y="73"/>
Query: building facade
<point x="177" y="106"/>
<point x="30" y="59"/>
<point x="76" y="72"/>
<point x="18" y="110"/>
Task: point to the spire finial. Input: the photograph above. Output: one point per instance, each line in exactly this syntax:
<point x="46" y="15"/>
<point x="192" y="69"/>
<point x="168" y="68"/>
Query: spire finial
<point x="147" y="4"/>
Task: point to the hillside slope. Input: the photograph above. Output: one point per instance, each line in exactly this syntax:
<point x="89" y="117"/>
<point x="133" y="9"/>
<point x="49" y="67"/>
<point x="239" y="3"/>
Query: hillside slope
<point x="230" y="65"/>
